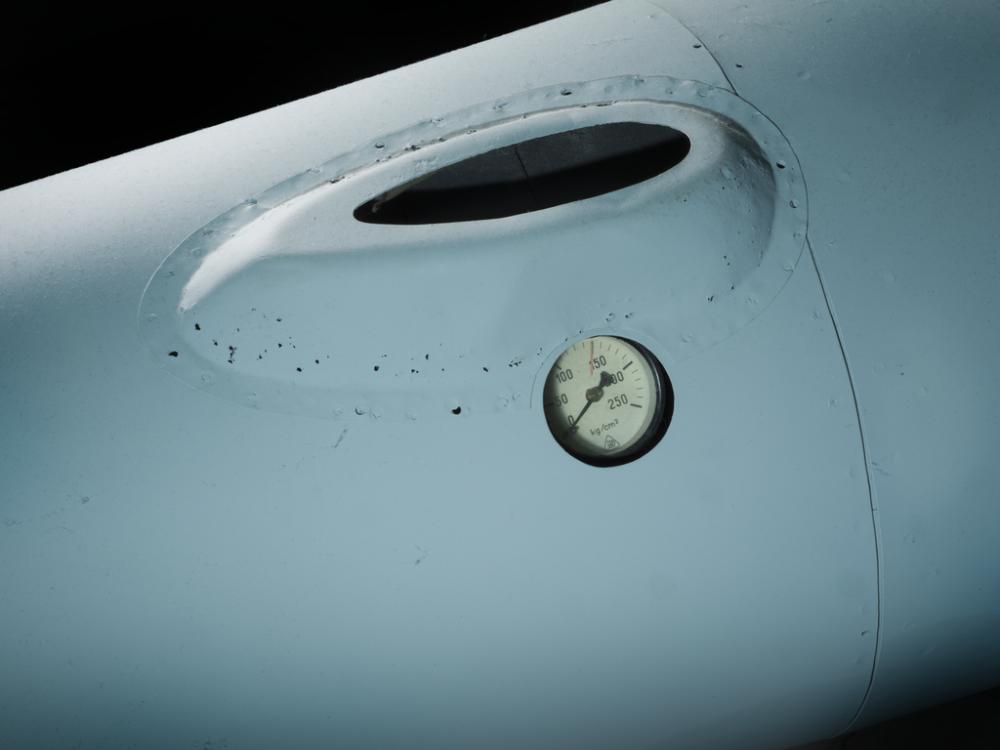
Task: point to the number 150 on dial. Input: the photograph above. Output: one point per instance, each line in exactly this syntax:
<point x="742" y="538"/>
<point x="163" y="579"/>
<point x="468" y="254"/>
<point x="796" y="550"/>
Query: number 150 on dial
<point x="607" y="400"/>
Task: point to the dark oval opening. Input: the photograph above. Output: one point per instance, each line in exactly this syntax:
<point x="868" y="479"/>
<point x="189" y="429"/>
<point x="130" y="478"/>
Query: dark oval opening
<point x="532" y="175"/>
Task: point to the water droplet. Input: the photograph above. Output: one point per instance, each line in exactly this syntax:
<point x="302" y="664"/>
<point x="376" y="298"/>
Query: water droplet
<point x="793" y="203"/>
<point x="360" y="411"/>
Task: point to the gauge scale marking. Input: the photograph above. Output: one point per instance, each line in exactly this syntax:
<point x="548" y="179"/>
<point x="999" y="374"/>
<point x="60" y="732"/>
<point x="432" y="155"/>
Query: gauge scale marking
<point x="607" y="400"/>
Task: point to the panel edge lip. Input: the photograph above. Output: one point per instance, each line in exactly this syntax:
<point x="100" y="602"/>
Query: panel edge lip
<point x="157" y="314"/>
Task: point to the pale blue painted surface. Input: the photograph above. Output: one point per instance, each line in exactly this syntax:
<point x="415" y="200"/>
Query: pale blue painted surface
<point x="892" y="109"/>
<point x="177" y="567"/>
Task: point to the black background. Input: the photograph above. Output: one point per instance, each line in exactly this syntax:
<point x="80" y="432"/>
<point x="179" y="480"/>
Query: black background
<point x="81" y="85"/>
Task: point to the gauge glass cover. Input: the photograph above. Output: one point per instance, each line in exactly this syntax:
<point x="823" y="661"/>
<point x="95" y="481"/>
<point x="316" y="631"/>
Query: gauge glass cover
<point x="607" y="400"/>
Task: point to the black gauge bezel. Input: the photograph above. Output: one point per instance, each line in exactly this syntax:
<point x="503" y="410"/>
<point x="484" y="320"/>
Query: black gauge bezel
<point x="662" y="415"/>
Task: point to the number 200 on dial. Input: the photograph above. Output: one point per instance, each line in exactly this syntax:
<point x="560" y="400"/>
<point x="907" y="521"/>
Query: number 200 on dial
<point x="607" y="400"/>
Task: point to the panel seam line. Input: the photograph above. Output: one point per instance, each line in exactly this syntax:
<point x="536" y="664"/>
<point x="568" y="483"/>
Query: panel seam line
<point x="871" y="495"/>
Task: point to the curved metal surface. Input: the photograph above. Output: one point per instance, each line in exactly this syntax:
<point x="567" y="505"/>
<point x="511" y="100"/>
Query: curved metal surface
<point x="891" y="112"/>
<point x="175" y="567"/>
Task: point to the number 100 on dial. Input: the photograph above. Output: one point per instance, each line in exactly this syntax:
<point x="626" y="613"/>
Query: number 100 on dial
<point x="607" y="400"/>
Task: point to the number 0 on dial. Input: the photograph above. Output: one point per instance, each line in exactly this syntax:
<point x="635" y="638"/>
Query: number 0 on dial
<point x="607" y="400"/>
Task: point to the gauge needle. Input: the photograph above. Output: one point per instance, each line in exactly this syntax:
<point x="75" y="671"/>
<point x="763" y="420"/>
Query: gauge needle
<point x="594" y="395"/>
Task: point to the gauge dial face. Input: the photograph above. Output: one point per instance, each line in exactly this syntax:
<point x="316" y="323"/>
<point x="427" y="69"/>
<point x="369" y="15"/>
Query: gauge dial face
<point x="607" y="400"/>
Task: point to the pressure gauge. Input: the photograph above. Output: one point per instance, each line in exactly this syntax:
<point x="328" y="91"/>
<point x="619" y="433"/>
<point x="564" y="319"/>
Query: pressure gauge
<point x="607" y="400"/>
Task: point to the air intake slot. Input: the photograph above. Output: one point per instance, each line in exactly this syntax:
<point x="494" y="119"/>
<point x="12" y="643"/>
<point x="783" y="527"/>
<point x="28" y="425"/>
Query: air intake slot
<point x="532" y="175"/>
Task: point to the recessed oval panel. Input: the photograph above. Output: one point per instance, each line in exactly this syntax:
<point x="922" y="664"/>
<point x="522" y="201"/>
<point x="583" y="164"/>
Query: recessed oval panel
<point x="288" y="303"/>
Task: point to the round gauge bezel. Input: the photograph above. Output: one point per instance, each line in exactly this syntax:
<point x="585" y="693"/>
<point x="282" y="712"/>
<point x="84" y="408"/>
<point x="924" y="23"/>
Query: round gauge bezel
<point x="657" y="428"/>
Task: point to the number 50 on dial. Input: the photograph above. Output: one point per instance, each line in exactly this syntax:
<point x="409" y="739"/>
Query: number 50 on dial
<point x="607" y="400"/>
